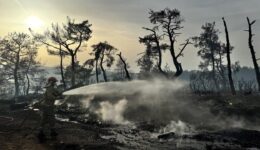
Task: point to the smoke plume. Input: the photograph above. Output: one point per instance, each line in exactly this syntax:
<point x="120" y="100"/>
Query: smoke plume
<point x="165" y="103"/>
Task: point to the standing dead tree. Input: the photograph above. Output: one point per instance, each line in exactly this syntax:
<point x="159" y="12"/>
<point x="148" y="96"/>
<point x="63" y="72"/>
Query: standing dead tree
<point x="251" y="47"/>
<point x="228" y="48"/>
<point x="125" y="66"/>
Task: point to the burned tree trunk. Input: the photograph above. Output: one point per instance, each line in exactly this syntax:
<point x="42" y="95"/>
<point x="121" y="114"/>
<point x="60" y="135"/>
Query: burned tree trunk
<point x="28" y="84"/>
<point x="170" y="20"/>
<point x="15" y="73"/>
<point x="231" y="82"/>
<point x="213" y="60"/>
<point x="27" y="77"/>
<point x="125" y="66"/>
<point x="16" y="83"/>
<point x="61" y="68"/>
<point x="214" y="71"/>
<point x="97" y="80"/>
<point x="62" y="73"/>
<point x="156" y="39"/>
<point x="73" y="70"/>
<point x="159" y="56"/>
<point x="102" y="68"/>
<point x="177" y="65"/>
<point x="251" y="47"/>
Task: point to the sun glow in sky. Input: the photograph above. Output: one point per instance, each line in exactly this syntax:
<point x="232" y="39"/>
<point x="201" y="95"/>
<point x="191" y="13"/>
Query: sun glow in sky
<point x="34" y="22"/>
<point x="120" y="23"/>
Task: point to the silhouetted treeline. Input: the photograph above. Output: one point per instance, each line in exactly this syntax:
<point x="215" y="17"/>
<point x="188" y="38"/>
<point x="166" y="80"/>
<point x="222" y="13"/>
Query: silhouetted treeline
<point x="216" y="66"/>
<point x="21" y="73"/>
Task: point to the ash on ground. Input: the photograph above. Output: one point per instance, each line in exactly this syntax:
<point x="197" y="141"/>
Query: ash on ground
<point x="138" y="118"/>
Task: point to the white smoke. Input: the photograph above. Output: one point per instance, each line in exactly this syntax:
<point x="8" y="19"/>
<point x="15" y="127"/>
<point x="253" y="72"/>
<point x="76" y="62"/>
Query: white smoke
<point x="178" y="127"/>
<point x="157" y="101"/>
<point x="85" y="102"/>
<point x="113" y="112"/>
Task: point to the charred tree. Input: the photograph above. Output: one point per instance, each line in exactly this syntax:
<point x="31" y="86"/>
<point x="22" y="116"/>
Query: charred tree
<point x="170" y="20"/>
<point x="27" y="75"/>
<point x="15" y="51"/>
<point x="154" y="38"/>
<point x="209" y="50"/>
<point x="82" y="73"/>
<point x="54" y="47"/>
<point x="221" y="68"/>
<point x="228" y="48"/>
<point x="103" y="51"/>
<point x="67" y="40"/>
<point x="15" y="73"/>
<point x="102" y="68"/>
<point x="92" y="63"/>
<point x="61" y="53"/>
<point x="125" y="66"/>
<point x="96" y="68"/>
<point x="251" y="47"/>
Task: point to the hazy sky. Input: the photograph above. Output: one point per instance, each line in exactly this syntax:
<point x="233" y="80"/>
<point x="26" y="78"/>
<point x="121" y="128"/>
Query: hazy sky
<point x="120" y="23"/>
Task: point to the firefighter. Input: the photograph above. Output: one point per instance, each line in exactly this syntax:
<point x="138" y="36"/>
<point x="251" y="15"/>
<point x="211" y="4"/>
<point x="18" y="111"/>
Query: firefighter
<point x="47" y="109"/>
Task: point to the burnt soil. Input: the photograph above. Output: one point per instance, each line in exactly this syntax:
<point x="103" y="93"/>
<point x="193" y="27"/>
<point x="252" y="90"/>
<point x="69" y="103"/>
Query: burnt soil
<point x="19" y="127"/>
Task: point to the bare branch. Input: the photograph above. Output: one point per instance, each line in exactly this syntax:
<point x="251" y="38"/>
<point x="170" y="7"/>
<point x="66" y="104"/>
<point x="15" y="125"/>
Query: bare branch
<point x="183" y="48"/>
<point x="252" y="22"/>
<point x="152" y="30"/>
<point x="140" y="53"/>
